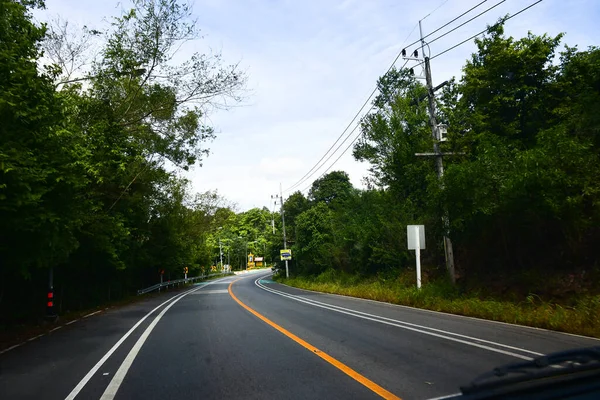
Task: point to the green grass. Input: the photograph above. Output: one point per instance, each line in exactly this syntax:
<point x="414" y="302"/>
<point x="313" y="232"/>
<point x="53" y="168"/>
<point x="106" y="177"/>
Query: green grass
<point x="582" y="318"/>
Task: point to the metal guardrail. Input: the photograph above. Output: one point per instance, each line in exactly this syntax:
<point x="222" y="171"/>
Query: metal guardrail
<point x="177" y="282"/>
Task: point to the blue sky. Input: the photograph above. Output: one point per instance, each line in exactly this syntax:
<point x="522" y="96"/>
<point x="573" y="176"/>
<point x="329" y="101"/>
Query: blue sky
<point x="311" y="65"/>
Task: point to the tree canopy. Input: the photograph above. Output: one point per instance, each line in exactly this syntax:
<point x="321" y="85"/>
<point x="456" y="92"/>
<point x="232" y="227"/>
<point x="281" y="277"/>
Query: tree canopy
<point x="521" y="190"/>
<point x="88" y="159"/>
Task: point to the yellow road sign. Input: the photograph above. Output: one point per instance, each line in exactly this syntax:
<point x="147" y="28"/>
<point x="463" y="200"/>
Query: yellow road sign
<point x="285" y="254"/>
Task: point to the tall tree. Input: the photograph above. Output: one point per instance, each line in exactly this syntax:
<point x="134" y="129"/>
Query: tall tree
<point x="39" y="178"/>
<point x="294" y="205"/>
<point x="335" y="186"/>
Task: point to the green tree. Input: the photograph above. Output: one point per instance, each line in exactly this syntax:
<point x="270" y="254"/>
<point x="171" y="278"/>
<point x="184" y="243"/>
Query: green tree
<point x="315" y="243"/>
<point x="83" y="183"/>
<point x="39" y="177"/>
<point x="528" y="181"/>
<point x="293" y="206"/>
<point x="331" y="188"/>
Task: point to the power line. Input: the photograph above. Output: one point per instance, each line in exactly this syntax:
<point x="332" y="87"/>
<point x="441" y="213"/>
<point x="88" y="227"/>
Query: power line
<point x="306" y="176"/>
<point x="340" y="156"/>
<point x="487" y="29"/>
<point x="319" y="164"/>
<point x="447" y="23"/>
<point x="316" y="167"/>
<point x="437" y="55"/>
<point x="344" y="141"/>
<point x="482" y="32"/>
<point x="343" y="152"/>
<point x="437" y="8"/>
<point x="466" y="22"/>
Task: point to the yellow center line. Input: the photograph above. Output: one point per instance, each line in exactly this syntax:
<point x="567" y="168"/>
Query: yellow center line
<point x="339" y="365"/>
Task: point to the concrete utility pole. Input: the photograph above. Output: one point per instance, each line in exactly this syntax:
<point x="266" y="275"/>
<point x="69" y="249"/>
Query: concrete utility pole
<point x="220" y="247"/>
<point x="280" y="197"/>
<point x="221" y="252"/>
<point x="287" y="271"/>
<point x="273" y="215"/>
<point x="439" y="164"/>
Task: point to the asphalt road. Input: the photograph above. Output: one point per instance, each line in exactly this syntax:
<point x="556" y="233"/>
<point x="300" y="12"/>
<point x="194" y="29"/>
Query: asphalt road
<point x="247" y="337"/>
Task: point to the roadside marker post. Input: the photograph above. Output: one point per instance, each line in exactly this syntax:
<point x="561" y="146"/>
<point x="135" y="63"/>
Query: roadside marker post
<point x="50" y="310"/>
<point x="415" y="235"/>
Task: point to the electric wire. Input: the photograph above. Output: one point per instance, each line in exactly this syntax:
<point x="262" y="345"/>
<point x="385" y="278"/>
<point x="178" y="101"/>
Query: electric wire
<point x="437" y="55"/>
<point x="480" y="33"/>
<point x="316" y="167"/>
<point x="447" y="23"/>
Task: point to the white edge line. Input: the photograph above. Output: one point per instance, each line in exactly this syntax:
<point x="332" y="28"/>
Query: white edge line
<point x="55" y="329"/>
<point x="115" y="383"/>
<point x="11" y="347"/>
<point x="415" y="329"/>
<point x="68" y="323"/>
<point x="99" y="364"/>
<point x="448" y="396"/>
<point x="441" y="312"/>
<point x="414" y="325"/>
<point x="90" y="314"/>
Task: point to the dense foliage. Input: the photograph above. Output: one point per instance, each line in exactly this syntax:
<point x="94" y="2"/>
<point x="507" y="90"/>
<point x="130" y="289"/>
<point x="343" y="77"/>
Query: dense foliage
<point x="88" y="165"/>
<point x="89" y="187"/>
<point x="522" y="189"/>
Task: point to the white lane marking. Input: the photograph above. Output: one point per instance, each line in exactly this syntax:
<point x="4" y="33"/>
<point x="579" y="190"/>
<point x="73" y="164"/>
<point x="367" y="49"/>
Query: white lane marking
<point x="11" y="347"/>
<point x="90" y="314"/>
<point x="35" y="337"/>
<point x="407" y="326"/>
<point x="68" y="323"/>
<point x="104" y="374"/>
<point x="216" y="291"/>
<point x="117" y="380"/>
<point x="449" y="396"/>
<point x="410" y="324"/>
<point x="446" y="314"/>
<point x="55" y="329"/>
<point x="99" y="364"/>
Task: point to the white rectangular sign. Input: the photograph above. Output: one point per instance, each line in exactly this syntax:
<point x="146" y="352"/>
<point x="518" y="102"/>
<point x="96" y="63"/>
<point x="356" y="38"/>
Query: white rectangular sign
<point x="416" y="237"/>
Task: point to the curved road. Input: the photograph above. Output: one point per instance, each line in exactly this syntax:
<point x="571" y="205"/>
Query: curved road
<point x="247" y="337"/>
